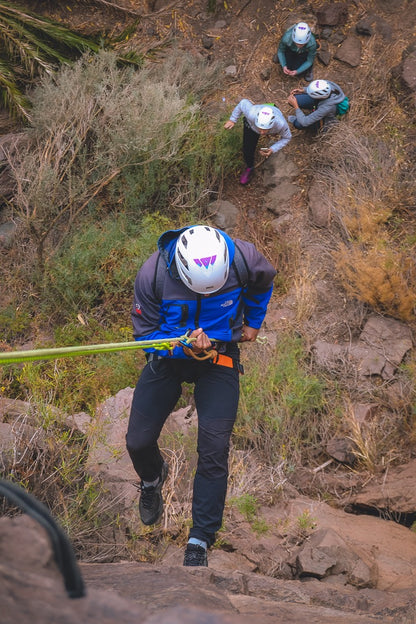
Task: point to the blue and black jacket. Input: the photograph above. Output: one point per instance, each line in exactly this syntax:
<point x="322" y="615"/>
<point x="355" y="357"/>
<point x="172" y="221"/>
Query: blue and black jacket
<point x="170" y="310"/>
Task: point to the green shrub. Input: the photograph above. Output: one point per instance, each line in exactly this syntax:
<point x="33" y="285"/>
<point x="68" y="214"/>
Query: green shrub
<point x="14" y="322"/>
<point x="281" y="402"/>
<point x="95" y="271"/>
<point x="248" y="506"/>
<point x="104" y="138"/>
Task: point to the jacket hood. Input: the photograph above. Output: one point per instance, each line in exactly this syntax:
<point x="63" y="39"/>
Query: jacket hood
<point x="337" y="94"/>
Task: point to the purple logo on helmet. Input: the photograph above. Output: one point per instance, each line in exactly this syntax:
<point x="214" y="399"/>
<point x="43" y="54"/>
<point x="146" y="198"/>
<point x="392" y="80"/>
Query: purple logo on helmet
<point x="205" y="261"/>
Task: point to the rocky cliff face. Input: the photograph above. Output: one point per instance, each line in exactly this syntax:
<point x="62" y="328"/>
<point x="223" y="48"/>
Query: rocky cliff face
<point x="32" y="591"/>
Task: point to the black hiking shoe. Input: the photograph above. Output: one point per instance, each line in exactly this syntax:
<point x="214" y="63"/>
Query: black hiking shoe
<point x="195" y="556"/>
<point x="151" y="501"/>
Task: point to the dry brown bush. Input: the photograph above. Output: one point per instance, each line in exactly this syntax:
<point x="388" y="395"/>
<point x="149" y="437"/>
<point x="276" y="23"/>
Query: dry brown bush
<point x="383" y="278"/>
<point x="361" y="165"/>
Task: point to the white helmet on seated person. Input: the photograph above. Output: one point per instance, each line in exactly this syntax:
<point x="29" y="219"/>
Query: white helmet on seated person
<point x="319" y="89"/>
<point x="301" y="33"/>
<point x="202" y="259"/>
<point x="265" y="118"/>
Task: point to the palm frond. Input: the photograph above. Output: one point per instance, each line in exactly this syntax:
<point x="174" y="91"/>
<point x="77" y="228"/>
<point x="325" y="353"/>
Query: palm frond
<point x="32" y="25"/>
<point x="31" y="44"/>
<point x="11" y="96"/>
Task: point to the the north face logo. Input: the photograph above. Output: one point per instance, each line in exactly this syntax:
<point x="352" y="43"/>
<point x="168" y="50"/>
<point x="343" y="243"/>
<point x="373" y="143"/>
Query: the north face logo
<point x="205" y="261"/>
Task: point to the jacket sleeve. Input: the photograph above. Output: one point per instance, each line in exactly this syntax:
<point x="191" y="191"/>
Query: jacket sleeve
<point x="259" y="289"/>
<point x="285" y="136"/>
<point x="281" y="50"/>
<point x="242" y="108"/>
<point x="326" y="108"/>
<point x="146" y="314"/>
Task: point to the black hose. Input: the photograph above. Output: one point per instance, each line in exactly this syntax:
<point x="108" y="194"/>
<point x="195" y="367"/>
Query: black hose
<point x="62" y="548"/>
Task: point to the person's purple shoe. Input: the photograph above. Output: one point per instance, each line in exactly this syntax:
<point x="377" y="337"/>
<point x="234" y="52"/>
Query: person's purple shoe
<point x="245" y="176"/>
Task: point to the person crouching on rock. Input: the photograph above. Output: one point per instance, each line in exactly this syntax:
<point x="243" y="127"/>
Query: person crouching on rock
<point x="296" y="52"/>
<point x="259" y="119"/>
<point x="321" y="98"/>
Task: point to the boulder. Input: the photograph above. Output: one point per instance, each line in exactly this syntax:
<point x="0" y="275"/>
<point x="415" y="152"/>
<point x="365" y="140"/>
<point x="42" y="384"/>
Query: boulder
<point x="277" y="199"/>
<point x="224" y="214"/>
<point x="278" y="225"/>
<point x="279" y="175"/>
<point x="371" y="24"/>
<point x="336" y="38"/>
<point x="266" y="73"/>
<point x="231" y="71"/>
<point x="327" y="553"/>
<point x="349" y="51"/>
<point x="8" y="229"/>
<point x="392" y="494"/>
<point x="392" y="339"/>
<point x="342" y="449"/>
<point x="332" y="14"/>
<point x="366" y="26"/>
<point x="277" y="168"/>
<point x="207" y="42"/>
<point x="387" y="549"/>
<point x="408" y="72"/>
<point x="324" y="56"/>
<point x="382" y="345"/>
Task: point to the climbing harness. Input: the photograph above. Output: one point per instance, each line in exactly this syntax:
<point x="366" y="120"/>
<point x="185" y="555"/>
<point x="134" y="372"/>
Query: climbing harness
<point x="216" y="358"/>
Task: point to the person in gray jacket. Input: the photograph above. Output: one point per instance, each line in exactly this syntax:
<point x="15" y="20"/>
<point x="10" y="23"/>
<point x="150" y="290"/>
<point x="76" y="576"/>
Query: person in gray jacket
<point x="321" y="97"/>
<point x="259" y="119"/>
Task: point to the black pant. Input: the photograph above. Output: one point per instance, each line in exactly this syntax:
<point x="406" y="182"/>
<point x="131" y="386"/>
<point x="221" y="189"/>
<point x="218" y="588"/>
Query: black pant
<point x="250" y="140"/>
<point x="295" y="59"/>
<point x="216" y="395"/>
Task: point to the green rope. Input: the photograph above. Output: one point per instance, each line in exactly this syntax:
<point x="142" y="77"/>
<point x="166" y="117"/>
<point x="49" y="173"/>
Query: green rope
<point x="9" y="357"/>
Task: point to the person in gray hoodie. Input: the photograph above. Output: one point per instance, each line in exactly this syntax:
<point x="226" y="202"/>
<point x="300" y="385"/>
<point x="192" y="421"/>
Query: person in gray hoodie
<point x="321" y="98"/>
<point x="259" y="120"/>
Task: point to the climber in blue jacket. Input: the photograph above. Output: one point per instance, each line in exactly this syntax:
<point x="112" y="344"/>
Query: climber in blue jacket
<point x="218" y="289"/>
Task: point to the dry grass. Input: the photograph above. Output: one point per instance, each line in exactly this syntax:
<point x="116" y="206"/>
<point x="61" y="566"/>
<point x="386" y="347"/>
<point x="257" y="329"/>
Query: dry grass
<point x="47" y="458"/>
<point x="360" y="165"/>
<point x="383" y="278"/>
<point x="377" y="439"/>
<point x="305" y="294"/>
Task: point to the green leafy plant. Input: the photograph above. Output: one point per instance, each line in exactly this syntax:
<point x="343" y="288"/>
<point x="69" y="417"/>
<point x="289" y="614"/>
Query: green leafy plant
<point x="281" y="402"/>
<point x="247" y="505"/>
<point x="305" y="522"/>
<point x="96" y="269"/>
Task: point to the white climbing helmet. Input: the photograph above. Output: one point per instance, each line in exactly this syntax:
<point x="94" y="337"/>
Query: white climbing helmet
<point x="318" y="89"/>
<point x="301" y="33"/>
<point x="265" y="118"/>
<point x="202" y="259"/>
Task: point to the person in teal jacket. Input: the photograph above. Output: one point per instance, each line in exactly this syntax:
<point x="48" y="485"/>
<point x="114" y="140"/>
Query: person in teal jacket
<point x="297" y="51"/>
